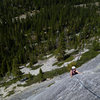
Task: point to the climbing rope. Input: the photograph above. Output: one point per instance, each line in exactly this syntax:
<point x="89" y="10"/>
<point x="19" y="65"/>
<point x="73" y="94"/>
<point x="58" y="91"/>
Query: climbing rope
<point x="87" y="88"/>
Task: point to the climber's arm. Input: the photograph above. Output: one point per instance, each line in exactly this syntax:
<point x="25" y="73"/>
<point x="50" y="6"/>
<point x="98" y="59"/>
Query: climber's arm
<point x="78" y="72"/>
<point x="71" y="73"/>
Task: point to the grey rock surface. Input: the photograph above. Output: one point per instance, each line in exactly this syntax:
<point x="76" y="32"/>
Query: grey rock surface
<point x="83" y="86"/>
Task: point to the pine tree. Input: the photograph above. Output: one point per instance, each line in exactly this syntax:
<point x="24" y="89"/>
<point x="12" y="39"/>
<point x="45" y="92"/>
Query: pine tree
<point x="96" y="45"/>
<point x="33" y="58"/>
<point x="3" y="68"/>
<point x="15" y="68"/>
<point x="8" y="68"/>
<point x="29" y="76"/>
<point x="41" y="75"/>
<point x="61" y="48"/>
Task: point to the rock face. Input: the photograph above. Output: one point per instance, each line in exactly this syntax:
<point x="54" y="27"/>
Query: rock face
<point x="84" y="86"/>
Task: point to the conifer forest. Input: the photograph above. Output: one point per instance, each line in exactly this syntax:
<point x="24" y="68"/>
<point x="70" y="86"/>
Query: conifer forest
<point x="30" y="29"/>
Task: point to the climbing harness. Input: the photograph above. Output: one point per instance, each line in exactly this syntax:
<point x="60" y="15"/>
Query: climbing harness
<point x="87" y="88"/>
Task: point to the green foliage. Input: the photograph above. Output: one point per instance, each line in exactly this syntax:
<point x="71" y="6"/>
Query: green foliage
<point x="35" y="67"/>
<point x="44" y="76"/>
<point x="70" y="58"/>
<point x="61" y="56"/>
<point x="10" y="93"/>
<point x="30" y="76"/>
<point x="96" y="46"/>
<point x="41" y="75"/>
<point x="50" y="74"/>
<point x="50" y="84"/>
<point x="55" y="63"/>
<point x="61" y="48"/>
<point x="69" y="67"/>
<point x="59" y="64"/>
<point x="86" y="57"/>
<point x="15" y="68"/>
<point x="2" y="68"/>
<point x="7" y="84"/>
<point x="1" y="78"/>
<point x="43" y="29"/>
<point x="33" y="80"/>
<point x="33" y="58"/>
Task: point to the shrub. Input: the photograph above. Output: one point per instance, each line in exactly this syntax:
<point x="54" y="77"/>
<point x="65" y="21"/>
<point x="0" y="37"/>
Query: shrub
<point x="30" y="76"/>
<point x="51" y="84"/>
<point x="36" y="67"/>
<point x="70" y="58"/>
<point x="55" y="63"/>
<point x="33" y="80"/>
<point x="51" y="74"/>
<point x="61" y="63"/>
<point x="60" y="57"/>
<point x="70" y="66"/>
<point x="96" y="46"/>
<point x="41" y="75"/>
<point x="10" y="93"/>
<point x="86" y="57"/>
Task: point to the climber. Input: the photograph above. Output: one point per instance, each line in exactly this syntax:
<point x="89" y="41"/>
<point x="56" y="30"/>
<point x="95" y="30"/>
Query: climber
<point x="74" y="71"/>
